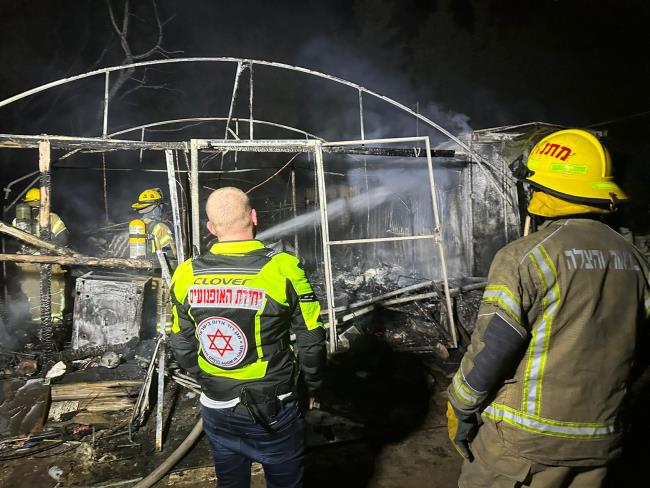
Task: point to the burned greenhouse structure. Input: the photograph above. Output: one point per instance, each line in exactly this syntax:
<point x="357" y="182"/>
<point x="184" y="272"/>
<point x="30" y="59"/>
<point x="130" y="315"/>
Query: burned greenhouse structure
<point x="395" y="218"/>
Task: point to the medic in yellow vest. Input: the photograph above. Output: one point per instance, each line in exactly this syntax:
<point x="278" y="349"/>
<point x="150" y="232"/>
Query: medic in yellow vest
<point x="150" y="233"/>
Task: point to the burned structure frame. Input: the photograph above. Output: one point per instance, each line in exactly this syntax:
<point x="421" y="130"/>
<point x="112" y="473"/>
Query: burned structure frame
<point x="239" y="136"/>
<point x="494" y="174"/>
<point x="314" y="146"/>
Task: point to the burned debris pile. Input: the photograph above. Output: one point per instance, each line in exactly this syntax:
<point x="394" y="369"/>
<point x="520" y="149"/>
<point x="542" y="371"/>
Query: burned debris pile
<point x="96" y="405"/>
<point x="403" y="308"/>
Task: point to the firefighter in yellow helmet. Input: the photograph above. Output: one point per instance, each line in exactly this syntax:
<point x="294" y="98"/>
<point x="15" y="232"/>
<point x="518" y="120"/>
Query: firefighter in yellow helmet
<point x="150" y="233"/>
<point x="27" y="219"/>
<point x="556" y="335"/>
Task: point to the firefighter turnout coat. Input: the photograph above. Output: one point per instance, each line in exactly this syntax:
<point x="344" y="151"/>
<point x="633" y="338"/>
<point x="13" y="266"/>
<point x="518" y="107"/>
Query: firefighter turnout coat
<point x="554" y="344"/>
<point x="233" y="311"/>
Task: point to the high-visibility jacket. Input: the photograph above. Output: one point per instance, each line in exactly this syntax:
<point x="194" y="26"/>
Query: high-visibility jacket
<point x="555" y="341"/>
<point x="233" y="311"/>
<point x="57" y="228"/>
<point x="161" y="234"/>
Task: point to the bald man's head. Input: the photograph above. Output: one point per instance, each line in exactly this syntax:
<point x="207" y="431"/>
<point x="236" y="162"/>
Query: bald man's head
<point x="230" y="214"/>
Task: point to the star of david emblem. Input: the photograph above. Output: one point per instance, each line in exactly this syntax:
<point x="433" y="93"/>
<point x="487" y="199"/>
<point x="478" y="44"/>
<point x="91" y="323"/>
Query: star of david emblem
<point x="226" y="347"/>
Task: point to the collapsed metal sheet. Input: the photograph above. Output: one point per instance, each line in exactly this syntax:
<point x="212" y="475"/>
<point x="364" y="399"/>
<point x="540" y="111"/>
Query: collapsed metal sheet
<point x="107" y="309"/>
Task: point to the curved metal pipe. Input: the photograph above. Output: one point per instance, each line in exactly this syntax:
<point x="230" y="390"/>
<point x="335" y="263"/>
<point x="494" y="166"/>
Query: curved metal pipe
<point x="175" y="456"/>
<point x="214" y="119"/>
<point x="252" y="62"/>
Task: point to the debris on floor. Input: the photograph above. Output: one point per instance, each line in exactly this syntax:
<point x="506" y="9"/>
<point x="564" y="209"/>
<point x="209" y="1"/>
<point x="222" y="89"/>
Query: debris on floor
<point x="93" y="419"/>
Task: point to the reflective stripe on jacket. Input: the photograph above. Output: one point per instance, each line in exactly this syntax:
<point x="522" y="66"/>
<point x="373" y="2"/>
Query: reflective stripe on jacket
<point x="162" y="237"/>
<point x="233" y="311"/>
<point x="555" y="340"/>
<point x="57" y="228"/>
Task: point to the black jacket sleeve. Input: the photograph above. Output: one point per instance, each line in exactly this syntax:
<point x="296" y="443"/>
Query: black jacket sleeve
<point x="306" y="325"/>
<point x="183" y="339"/>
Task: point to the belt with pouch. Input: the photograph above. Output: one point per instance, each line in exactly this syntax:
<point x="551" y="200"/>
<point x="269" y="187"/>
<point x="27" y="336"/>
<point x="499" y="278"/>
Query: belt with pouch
<point x="263" y="404"/>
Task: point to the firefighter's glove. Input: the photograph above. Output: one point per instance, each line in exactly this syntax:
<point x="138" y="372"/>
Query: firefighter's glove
<point x="461" y="427"/>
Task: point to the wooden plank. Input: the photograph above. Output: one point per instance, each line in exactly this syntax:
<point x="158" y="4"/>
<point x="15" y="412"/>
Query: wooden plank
<point x="98" y="405"/>
<point x="78" y="261"/>
<point x="33" y="240"/>
<point x="98" y="384"/>
<point x="18" y="141"/>
<point x="95" y="391"/>
<point x="44" y="159"/>
<point x="116" y="405"/>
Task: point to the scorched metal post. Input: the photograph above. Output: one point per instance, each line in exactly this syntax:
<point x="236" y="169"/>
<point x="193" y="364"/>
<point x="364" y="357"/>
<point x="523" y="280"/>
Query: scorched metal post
<point x="173" y="197"/>
<point x="194" y="197"/>
<point x="327" y="260"/>
<point x="438" y="240"/>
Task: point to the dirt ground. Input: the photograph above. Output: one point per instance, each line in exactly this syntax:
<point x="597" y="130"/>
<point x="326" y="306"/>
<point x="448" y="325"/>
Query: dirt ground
<point x="381" y="424"/>
<point x="422" y="459"/>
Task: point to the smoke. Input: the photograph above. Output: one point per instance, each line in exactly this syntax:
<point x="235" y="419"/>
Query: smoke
<point x="6" y="338"/>
<point x="381" y="120"/>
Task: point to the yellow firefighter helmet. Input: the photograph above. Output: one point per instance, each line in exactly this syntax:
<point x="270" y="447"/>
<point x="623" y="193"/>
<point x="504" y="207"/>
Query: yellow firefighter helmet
<point x="149" y="197"/>
<point x="33" y="195"/>
<point x="574" y="164"/>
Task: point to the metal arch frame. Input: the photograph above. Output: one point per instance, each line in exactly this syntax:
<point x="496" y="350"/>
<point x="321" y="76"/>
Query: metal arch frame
<point x="243" y="63"/>
<point x="159" y="123"/>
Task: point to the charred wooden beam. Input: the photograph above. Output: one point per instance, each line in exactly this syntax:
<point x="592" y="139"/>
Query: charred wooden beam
<point x="390" y="151"/>
<point x="15" y="141"/>
<point x="78" y="261"/>
<point x="45" y="271"/>
<point x="97" y="389"/>
<point x="33" y="240"/>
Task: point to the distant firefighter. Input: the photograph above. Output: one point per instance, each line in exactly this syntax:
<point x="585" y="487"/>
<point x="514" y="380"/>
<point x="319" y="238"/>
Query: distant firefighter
<point x="556" y="337"/>
<point x="27" y="219"/>
<point x="150" y="233"/>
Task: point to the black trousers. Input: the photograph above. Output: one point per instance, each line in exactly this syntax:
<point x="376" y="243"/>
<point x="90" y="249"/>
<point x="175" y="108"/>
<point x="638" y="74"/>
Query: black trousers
<point x="236" y="440"/>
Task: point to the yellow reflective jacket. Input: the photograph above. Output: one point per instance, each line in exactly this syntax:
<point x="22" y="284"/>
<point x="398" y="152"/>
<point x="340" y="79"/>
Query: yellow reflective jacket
<point x="233" y="310"/>
<point x="162" y="237"/>
<point x="58" y="229"/>
<point x="555" y="340"/>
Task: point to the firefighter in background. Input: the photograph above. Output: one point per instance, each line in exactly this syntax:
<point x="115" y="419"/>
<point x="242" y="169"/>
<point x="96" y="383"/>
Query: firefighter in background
<point x="551" y="356"/>
<point x="27" y="219"/>
<point x="151" y="227"/>
<point x="149" y="234"/>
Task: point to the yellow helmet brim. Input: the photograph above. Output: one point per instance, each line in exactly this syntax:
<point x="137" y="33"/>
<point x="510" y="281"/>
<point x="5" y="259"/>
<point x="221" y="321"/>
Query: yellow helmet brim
<point x="598" y="191"/>
<point x="140" y="206"/>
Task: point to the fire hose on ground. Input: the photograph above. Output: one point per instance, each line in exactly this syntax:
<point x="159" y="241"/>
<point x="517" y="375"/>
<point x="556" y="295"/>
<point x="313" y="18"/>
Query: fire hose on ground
<point x="175" y="456"/>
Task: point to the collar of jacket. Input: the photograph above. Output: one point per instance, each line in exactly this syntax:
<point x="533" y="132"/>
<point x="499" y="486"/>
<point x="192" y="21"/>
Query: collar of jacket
<point x="580" y="219"/>
<point x="236" y="247"/>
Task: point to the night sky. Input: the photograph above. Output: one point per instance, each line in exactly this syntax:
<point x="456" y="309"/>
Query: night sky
<point x="466" y="63"/>
<point x="499" y="62"/>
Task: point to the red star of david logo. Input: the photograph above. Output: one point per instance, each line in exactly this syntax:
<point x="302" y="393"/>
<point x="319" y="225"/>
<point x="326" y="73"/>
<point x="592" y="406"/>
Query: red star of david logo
<point x="226" y="343"/>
